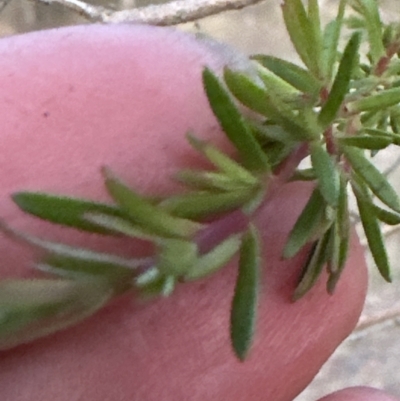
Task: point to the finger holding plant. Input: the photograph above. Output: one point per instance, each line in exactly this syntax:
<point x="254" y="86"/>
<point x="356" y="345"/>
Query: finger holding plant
<point x="338" y="109"/>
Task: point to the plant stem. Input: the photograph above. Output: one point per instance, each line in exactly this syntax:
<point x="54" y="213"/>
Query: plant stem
<point x="238" y="221"/>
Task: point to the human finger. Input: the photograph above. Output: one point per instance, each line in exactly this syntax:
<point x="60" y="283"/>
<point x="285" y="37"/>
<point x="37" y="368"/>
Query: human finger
<point x="125" y="96"/>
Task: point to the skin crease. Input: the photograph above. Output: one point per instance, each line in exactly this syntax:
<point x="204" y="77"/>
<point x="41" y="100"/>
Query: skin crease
<point x="74" y="99"/>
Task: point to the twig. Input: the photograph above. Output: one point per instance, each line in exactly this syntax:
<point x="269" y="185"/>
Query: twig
<point x="172" y="13"/>
<point x="378" y="318"/>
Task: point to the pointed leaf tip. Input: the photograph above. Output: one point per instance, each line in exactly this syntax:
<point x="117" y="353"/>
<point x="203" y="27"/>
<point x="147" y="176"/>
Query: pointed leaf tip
<point x="375" y="180"/>
<point x="244" y="304"/>
<point x="372" y="228"/>
<point x="341" y="83"/>
<point x="233" y="123"/>
<point x="64" y="210"/>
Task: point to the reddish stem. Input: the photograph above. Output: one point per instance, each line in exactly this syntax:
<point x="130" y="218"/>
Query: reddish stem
<point x="384" y="61"/>
<point x="330" y="143"/>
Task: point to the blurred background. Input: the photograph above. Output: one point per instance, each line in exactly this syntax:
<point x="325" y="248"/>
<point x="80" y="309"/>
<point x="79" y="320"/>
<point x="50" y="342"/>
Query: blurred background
<point x="371" y="355"/>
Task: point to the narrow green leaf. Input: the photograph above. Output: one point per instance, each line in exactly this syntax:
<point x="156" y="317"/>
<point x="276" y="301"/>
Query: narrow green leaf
<point x="372" y="229"/>
<point x="81" y="256"/>
<point x="311" y="220"/>
<point x="79" y="263"/>
<point x="233" y="123"/>
<point x="307" y="174"/>
<point x="370" y="11"/>
<point x="275" y="84"/>
<point x="152" y="218"/>
<point x="214" y="260"/>
<point x="293" y="74"/>
<point x="334" y="277"/>
<point x="121" y="226"/>
<point x="209" y="181"/>
<point x="366" y="141"/>
<point x="333" y="248"/>
<point x="301" y="32"/>
<point x="223" y="162"/>
<point x="251" y="94"/>
<point x="338" y="257"/>
<point x="330" y="42"/>
<point x="244" y="304"/>
<point x="393" y="137"/>
<point x="377" y="102"/>
<point x="327" y="173"/>
<point x="315" y="23"/>
<point x="175" y="257"/>
<point x="118" y="275"/>
<point x="64" y="210"/>
<point x="313" y="267"/>
<point x="386" y="216"/>
<point x="272" y="133"/>
<point x="376" y="181"/>
<point x="199" y="205"/>
<point x="30" y="309"/>
<point x="341" y="83"/>
<point x="268" y="104"/>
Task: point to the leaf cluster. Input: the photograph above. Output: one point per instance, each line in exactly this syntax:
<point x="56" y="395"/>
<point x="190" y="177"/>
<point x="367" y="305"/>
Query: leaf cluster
<point x="339" y="107"/>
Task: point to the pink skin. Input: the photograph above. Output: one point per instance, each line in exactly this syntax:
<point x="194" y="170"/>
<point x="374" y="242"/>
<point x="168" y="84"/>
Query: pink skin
<point x="74" y="99"/>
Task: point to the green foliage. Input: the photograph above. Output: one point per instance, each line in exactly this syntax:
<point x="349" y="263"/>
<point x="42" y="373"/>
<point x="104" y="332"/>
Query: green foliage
<point x="339" y="108"/>
<point x="371" y="228"/>
<point x="214" y="260"/>
<point x="341" y="83"/>
<point x="376" y="181"/>
<point x="30" y="309"/>
<point x="326" y="172"/>
<point x="269" y="104"/>
<point x="313" y="268"/>
<point x="369" y="13"/>
<point x="65" y="210"/>
<point x="304" y="32"/>
<point x="233" y="123"/>
<point x="313" y="221"/>
<point x="244" y="304"/>
<point x="330" y="43"/>
<point x="144" y="214"/>
<point x="293" y="74"/>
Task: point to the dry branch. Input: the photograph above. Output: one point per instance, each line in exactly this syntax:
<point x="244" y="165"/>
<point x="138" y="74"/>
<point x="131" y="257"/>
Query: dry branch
<point x="172" y="13"/>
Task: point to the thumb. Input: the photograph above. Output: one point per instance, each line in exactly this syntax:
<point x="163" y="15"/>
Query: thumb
<point x="125" y="96"/>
